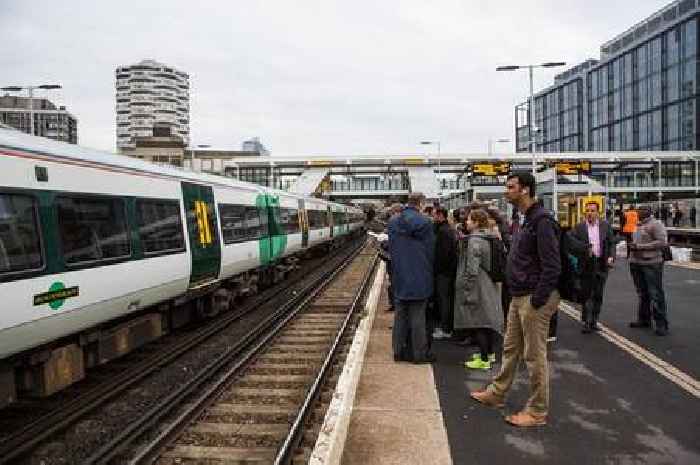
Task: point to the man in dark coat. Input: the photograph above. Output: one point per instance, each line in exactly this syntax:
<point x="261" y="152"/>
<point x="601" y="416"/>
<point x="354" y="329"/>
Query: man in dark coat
<point x="412" y="250"/>
<point x="445" y="268"/>
<point x="532" y="275"/>
<point x="593" y="242"/>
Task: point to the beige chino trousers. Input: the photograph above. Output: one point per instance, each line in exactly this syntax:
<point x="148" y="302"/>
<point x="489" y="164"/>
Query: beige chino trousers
<point x="526" y="337"/>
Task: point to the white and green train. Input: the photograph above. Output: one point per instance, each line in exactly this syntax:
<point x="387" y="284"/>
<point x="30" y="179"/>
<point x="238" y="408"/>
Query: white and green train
<point x="100" y="253"/>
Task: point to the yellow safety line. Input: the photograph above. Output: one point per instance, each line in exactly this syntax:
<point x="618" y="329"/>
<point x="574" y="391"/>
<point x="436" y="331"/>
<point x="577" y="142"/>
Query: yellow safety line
<point x="665" y="369"/>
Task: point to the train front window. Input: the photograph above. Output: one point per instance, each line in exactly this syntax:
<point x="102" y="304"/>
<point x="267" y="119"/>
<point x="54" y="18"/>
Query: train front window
<point x="92" y="229"/>
<point x="20" y="244"/>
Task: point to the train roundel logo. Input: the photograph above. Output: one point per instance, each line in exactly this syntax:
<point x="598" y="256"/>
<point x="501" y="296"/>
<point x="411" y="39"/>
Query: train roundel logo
<point x="56" y="295"/>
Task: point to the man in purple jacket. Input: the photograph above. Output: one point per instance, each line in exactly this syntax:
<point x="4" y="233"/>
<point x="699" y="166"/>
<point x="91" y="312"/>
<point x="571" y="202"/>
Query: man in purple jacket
<point x="532" y="274"/>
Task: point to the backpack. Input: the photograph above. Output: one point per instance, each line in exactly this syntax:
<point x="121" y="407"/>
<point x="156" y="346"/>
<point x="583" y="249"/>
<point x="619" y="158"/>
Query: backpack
<point x="497" y="273"/>
<point x="569" y="284"/>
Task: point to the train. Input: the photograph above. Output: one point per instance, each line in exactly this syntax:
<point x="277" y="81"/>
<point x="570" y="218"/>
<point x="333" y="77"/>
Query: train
<point x="101" y="253"/>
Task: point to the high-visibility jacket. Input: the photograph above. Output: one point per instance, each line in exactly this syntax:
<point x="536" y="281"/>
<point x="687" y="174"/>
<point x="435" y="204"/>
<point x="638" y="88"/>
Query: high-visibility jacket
<point x="631" y="219"/>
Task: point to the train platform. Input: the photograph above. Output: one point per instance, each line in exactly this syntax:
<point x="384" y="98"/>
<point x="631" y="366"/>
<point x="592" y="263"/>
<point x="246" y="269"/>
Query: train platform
<point x="620" y="396"/>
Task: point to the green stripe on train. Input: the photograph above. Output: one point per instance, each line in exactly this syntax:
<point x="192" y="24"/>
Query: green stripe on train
<point x="273" y="246"/>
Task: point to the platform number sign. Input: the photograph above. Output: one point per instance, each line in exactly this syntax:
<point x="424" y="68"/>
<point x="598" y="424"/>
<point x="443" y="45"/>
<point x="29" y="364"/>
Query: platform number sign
<point x="203" y="224"/>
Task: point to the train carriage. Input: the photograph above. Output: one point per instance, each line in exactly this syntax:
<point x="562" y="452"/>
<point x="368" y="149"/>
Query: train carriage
<point x="100" y="253"/>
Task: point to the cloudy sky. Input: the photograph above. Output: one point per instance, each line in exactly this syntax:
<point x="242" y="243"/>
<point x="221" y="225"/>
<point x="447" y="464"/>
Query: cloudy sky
<point x="312" y="77"/>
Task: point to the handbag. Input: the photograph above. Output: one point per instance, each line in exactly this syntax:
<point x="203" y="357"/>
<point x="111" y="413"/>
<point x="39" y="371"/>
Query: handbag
<point x="666" y="253"/>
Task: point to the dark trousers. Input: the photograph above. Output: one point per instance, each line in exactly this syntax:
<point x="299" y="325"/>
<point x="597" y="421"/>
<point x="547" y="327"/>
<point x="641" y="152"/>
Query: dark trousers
<point x="390" y="287"/>
<point x="592" y="289"/>
<point x="505" y="304"/>
<point x="409" y="335"/>
<point x="553" y="324"/>
<point x="485" y="340"/>
<point x="628" y="241"/>
<point x="444" y="301"/>
<point x="648" y="280"/>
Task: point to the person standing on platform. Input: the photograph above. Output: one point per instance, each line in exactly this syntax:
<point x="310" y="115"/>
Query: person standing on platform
<point x="532" y="274"/>
<point x="412" y="249"/>
<point x="629" y="226"/>
<point x="647" y="269"/>
<point x="477" y="298"/>
<point x="692" y="215"/>
<point x="445" y="269"/>
<point x="677" y="215"/>
<point x="592" y="240"/>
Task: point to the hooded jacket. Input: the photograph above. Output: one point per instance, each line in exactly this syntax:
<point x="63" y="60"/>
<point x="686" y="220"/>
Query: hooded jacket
<point x="412" y="250"/>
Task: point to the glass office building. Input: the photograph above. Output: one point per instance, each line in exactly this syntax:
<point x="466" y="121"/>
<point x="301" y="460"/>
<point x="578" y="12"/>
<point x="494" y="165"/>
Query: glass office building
<point x="641" y="95"/>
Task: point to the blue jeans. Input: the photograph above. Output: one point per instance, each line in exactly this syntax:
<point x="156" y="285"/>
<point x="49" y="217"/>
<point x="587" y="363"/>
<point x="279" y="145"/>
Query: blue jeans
<point x="648" y="280"/>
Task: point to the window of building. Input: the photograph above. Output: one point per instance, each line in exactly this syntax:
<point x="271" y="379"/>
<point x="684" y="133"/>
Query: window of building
<point x="690" y="38"/>
<point x="20" y="244"/>
<point x="160" y="226"/>
<point x="92" y="229"/>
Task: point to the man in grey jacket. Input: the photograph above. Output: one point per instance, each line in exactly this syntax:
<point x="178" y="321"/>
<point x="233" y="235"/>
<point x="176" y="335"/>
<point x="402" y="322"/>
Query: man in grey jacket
<point x="646" y="267"/>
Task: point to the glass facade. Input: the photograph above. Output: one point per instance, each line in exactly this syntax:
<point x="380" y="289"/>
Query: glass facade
<point x="642" y="98"/>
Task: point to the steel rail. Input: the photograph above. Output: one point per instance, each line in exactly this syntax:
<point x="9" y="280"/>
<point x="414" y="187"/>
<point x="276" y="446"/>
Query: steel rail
<point x="286" y="451"/>
<point x="29" y="437"/>
<point x="245" y="349"/>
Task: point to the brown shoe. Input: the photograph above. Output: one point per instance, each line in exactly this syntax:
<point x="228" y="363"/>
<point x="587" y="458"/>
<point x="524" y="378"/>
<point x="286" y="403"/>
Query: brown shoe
<point x="487" y="398"/>
<point x="526" y="419"/>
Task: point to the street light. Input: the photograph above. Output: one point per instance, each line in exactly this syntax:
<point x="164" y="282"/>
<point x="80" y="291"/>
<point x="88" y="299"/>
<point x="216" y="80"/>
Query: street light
<point x="435" y="142"/>
<point x="30" y="91"/>
<point x="493" y="142"/>
<point x="531" y="105"/>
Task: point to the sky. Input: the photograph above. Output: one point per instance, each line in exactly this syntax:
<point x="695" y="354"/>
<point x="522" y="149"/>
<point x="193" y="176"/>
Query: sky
<point x="312" y="77"/>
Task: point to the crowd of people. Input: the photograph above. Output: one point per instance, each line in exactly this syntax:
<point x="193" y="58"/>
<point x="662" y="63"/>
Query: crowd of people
<point x="478" y="278"/>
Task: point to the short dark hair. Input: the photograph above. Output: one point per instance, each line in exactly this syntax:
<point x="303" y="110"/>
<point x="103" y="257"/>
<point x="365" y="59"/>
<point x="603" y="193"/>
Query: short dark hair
<point x="593" y="202"/>
<point x="525" y="179"/>
<point x="480" y="218"/>
<point x="442" y="211"/>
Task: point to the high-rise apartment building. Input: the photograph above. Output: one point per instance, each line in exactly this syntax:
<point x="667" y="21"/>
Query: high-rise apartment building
<point x="254" y="145"/>
<point x="642" y="94"/>
<point x="150" y="94"/>
<point x="49" y="121"/>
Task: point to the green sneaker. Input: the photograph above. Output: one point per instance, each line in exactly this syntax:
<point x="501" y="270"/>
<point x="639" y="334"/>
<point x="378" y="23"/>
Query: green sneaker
<point x="492" y="358"/>
<point x="478" y="364"/>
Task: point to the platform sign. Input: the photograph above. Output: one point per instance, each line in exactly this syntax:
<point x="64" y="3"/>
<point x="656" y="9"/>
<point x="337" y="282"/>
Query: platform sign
<point x="490" y="169"/>
<point x="573" y="167"/>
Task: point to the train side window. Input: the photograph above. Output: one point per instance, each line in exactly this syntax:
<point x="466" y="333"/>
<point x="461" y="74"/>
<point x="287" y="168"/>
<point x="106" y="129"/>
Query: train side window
<point x="256" y="224"/>
<point x="160" y="226"/>
<point x="20" y="241"/>
<point x="289" y="220"/>
<point x="92" y="229"/>
<point x="233" y="223"/>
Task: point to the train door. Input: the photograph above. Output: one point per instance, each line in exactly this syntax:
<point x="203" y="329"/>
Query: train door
<point x="202" y="230"/>
<point x="303" y="224"/>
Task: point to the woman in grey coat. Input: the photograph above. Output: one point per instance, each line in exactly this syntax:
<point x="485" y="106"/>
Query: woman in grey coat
<point x="477" y="297"/>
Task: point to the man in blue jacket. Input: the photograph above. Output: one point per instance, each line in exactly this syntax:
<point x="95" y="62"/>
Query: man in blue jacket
<point x="412" y="249"/>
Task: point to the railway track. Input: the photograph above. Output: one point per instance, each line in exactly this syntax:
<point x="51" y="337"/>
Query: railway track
<point x="71" y="428"/>
<point x="257" y="411"/>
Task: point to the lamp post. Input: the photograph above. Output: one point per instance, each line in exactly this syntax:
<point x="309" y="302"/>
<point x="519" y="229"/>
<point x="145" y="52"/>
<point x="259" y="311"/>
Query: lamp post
<point x="493" y="142"/>
<point x="531" y="105"/>
<point x="30" y="92"/>
<point x="436" y="142"/>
